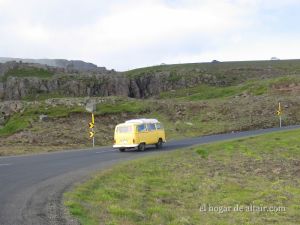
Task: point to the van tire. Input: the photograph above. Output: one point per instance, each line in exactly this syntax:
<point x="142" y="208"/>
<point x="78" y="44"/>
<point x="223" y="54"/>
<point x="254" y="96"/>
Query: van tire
<point x="159" y="144"/>
<point x="141" y="147"/>
<point x="122" y="149"/>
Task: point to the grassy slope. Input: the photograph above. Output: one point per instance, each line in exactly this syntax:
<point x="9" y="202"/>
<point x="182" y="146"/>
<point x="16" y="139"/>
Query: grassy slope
<point x="230" y="72"/>
<point x="184" y="115"/>
<point x="248" y="103"/>
<point x="251" y="87"/>
<point x="28" y="72"/>
<point x="66" y="126"/>
<point x="171" y="187"/>
<point x="21" y="121"/>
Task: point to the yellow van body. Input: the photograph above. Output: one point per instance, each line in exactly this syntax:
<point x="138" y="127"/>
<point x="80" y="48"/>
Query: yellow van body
<point x="138" y="133"/>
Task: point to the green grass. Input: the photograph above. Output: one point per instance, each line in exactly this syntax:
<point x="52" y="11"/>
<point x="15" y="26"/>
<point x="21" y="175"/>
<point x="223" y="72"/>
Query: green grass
<point x="246" y="69"/>
<point x="122" y="106"/>
<point x="170" y="188"/>
<point x="15" y="123"/>
<point x="21" y="121"/>
<point x="251" y="87"/>
<point x="54" y="112"/>
<point x="203" y="92"/>
<point x="286" y="80"/>
<point x="28" y="72"/>
<point x="42" y="96"/>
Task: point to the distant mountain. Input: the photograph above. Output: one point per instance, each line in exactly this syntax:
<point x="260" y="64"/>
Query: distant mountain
<point x="61" y="63"/>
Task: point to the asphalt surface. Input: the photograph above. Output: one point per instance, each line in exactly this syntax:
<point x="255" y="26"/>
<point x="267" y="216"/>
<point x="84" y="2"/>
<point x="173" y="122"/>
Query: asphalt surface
<point x="32" y="187"/>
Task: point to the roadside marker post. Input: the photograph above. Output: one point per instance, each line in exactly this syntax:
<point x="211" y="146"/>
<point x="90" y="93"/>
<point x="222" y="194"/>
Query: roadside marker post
<point x="280" y="121"/>
<point x="91" y="107"/>
<point x="93" y="132"/>
<point x="279" y="113"/>
<point x="91" y="125"/>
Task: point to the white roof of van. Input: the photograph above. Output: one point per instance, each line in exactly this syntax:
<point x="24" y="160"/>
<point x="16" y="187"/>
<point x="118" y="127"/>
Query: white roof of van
<point x="143" y="120"/>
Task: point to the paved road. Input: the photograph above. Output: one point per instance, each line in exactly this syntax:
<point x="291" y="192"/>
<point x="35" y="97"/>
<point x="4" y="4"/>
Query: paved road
<point x="32" y="186"/>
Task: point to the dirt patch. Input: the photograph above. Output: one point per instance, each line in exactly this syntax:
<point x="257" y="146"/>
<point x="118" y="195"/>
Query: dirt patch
<point x="294" y="87"/>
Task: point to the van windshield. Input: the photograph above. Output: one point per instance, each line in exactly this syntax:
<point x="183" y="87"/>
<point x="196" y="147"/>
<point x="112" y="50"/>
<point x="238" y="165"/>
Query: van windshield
<point x="141" y="128"/>
<point x="124" y="129"/>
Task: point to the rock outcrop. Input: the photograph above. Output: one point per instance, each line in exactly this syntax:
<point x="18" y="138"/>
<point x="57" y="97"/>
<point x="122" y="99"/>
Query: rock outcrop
<point x="27" y="80"/>
<point x="152" y="84"/>
<point x="15" y="88"/>
<point x="68" y="65"/>
<point x="63" y="83"/>
<point x="91" y="85"/>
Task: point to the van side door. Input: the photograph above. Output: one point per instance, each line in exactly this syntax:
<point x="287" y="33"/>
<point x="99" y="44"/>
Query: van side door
<point x="153" y="138"/>
<point x="142" y="133"/>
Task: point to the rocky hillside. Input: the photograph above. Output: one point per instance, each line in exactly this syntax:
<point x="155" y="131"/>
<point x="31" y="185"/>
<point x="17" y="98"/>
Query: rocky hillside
<point x="20" y="80"/>
<point x="69" y="65"/>
<point x="190" y="100"/>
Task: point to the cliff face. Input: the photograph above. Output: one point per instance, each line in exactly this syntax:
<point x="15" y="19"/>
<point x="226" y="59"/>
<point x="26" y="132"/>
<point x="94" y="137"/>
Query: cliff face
<point x="21" y="80"/>
<point x="98" y="85"/>
<point x="152" y="84"/>
<point x="15" y="88"/>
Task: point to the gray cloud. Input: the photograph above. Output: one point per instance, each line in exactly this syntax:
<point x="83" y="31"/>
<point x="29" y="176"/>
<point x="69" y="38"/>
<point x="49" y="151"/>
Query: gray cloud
<point x="128" y="34"/>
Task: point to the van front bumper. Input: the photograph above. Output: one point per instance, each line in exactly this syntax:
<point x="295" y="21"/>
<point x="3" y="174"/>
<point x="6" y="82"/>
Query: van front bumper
<point x="125" y="146"/>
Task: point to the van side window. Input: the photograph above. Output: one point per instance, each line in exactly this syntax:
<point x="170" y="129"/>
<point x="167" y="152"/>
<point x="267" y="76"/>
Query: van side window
<point x="151" y="126"/>
<point x="141" y="128"/>
<point x="126" y="129"/>
<point x="159" y="126"/>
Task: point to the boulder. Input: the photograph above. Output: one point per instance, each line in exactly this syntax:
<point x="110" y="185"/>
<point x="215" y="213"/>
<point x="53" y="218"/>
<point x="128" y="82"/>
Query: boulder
<point x="43" y="118"/>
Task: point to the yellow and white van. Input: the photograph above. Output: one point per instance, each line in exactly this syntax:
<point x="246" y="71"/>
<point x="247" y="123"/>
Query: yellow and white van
<point x="138" y="133"/>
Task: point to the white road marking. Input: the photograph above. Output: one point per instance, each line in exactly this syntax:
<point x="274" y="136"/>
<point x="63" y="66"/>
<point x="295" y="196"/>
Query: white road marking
<point x="5" y="164"/>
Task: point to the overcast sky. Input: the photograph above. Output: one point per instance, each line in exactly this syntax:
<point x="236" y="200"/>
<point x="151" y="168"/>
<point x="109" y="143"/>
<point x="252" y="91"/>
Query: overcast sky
<point x="127" y="34"/>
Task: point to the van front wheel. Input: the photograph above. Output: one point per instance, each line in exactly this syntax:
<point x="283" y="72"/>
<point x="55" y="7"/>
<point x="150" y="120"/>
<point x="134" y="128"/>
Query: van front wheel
<point x="158" y="145"/>
<point x="141" y="147"/>
<point x="122" y="149"/>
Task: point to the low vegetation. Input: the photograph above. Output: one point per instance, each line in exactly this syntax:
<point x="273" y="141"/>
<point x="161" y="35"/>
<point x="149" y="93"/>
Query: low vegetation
<point x="247" y="100"/>
<point x="122" y="107"/>
<point x="28" y="72"/>
<point x="14" y="124"/>
<point x="23" y="120"/>
<point x="232" y="72"/>
<point x="42" y="96"/>
<point x="67" y="121"/>
<point x="250" y="87"/>
<point x="208" y="184"/>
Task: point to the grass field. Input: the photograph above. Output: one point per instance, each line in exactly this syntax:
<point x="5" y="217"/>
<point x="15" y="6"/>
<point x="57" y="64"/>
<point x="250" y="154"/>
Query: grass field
<point x="208" y="184"/>
<point x="28" y="72"/>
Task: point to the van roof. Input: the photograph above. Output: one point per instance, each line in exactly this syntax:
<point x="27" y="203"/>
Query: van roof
<point x="142" y="120"/>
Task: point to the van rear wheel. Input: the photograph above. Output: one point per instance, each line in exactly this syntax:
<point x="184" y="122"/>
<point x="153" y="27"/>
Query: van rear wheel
<point x="142" y="147"/>
<point x="159" y="144"/>
<point x="122" y="149"/>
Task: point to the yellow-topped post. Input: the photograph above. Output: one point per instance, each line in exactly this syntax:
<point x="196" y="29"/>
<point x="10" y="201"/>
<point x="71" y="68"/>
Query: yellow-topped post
<point x="93" y="132"/>
<point x="279" y="113"/>
<point x="91" y="107"/>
